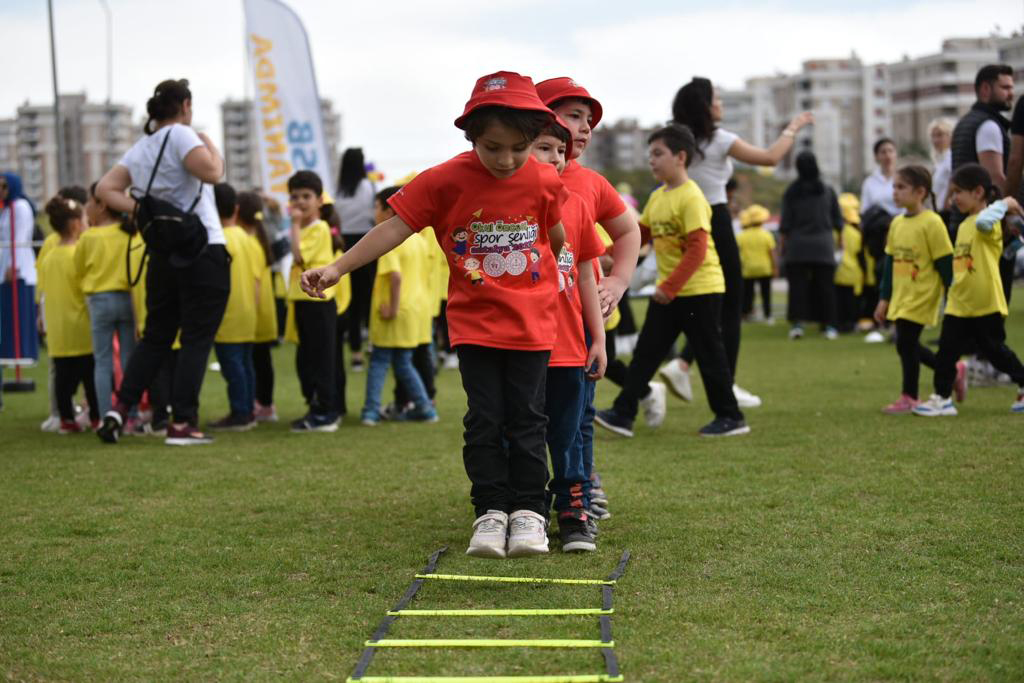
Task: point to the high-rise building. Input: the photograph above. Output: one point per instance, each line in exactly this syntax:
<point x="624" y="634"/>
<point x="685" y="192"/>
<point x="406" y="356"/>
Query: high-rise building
<point x="1011" y="51"/>
<point x="621" y="145"/>
<point x="940" y="84"/>
<point x="241" y="149"/>
<point x="94" y="137"/>
<point x="8" y="145"/>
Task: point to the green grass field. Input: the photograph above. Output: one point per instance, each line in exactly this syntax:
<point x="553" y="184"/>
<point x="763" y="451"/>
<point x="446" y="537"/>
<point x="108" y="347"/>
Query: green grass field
<point x="833" y="543"/>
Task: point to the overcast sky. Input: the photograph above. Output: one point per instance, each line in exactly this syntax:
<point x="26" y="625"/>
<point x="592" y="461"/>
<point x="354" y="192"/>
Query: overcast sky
<point x="400" y="70"/>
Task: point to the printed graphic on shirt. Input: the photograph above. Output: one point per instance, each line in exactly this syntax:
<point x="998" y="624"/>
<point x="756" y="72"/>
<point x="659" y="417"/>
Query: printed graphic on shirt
<point x="963" y="262"/>
<point x="497" y="249"/>
<point x="904" y="263"/>
<point x="566" y="265"/>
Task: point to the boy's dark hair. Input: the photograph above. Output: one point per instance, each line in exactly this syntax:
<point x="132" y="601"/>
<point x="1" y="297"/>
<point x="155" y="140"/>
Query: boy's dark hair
<point x="306" y="180"/>
<point x="250" y="210"/>
<point x="918" y="177"/>
<point x="678" y="138"/>
<point x="226" y="198"/>
<point x="878" y="144"/>
<point x="61" y="210"/>
<point x="731" y="184"/>
<point x="167" y="101"/>
<point x="990" y="73"/>
<point x="76" y="192"/>
<point x="557" y="132"/>
<point x="692" y="107"/>
<point x="387" y="193"/>
<point x="127" y="224"/>
<point x="972" y="176"/>
<point x="527" y="122"/>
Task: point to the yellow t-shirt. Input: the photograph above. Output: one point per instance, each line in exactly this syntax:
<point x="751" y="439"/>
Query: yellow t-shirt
<point x="315" y="247"/>
<point x="100" y="259"/>
<point x="342" y="290"/>
<point x="616" y="317"/>
<point x="977" y="289"/>
<point x="870" y="272"/>
<point x="405" y="330"/>
<point x="238" y="326"/>
<point x="51" y="241"/>
<point x="914" y="242"/>
<point x="68" y="332"/>
<point x="437" y="271"/>
<point x="672" y="214"/>
<point x="756" y="246"/>
<point x="849" y="272"/>
<point x="266" y="307"/>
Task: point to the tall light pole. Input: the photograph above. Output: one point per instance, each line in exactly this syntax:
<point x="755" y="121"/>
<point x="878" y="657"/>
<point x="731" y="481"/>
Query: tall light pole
<point x="110" y="49"/>
<point x="58" y="125"/>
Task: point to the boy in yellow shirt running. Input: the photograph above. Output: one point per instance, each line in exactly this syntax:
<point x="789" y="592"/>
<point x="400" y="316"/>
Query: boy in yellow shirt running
<point x="757" y="259"/>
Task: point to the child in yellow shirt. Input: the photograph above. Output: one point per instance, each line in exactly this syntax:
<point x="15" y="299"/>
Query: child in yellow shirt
<point x="757" y="259"/>
<point x="315" y="318"/>
<point x="69" y="340"/>
<point x="399" y="310"/>
<point x="849" y="279"/>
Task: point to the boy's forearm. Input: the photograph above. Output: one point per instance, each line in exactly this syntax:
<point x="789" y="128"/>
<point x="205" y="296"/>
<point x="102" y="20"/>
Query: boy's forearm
<point x="592" y="317"/>
<point x="379" y="241"/>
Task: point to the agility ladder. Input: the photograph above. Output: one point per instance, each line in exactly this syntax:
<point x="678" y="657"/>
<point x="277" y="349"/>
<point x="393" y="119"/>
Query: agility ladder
<point x="604" y="613"/>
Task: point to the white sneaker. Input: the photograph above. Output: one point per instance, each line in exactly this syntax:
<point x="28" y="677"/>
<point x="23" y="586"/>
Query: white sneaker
<point x="678" y="379"/>
<point x="489" y="532"/>
<point x="831" y="333"/>
<point x="935" y="406"/>
<point x="744" y="398"/>
<point x="654" y="405"/>
<point x="527" y="534"/>
<point x="451" y="361"/>
<point x="50" y="424"/>
<point x="1018" y="405"/>
<point x="874" y="337"/>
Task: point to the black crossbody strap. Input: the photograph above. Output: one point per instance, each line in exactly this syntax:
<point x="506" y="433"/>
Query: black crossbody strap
<point x="159" y="156"/>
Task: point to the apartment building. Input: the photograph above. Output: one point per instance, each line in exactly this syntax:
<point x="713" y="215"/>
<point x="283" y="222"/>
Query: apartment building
<point x="621" y="145"/>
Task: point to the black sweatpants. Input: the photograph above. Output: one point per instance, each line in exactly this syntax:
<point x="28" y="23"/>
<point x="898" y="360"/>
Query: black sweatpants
<point x="697" y="318"/>
<point x="731" y="315"/>
<point x="191" y="300"/>
<point x="362" y="289"/>
<point x="263" y="366"/>
<point x="912" y="354"/>
<point x="616" y="370"/>
<point x="847" y="308"/>
<point x="765" y="285"/>
<point x="988" y="333"/>
<point x="316" y="322"/>
<point x="504" y="451"/>
<point x="803" y="279"/>
<point x="444" y="342"/>
<point x="340" y="378"/>
<point x="70" y="372"/>
<point x="423" y="361"/>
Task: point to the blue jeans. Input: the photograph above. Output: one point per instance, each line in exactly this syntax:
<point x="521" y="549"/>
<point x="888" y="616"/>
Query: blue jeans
<point x="586" y="436"/>
<point x="566" y="394"/>
<point x="401" y="359"/>
<point x="238" y="371"/>
<point x="110" y="312"/>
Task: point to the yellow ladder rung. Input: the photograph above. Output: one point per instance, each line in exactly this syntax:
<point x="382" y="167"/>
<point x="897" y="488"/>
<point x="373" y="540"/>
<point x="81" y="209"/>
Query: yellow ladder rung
<point x="483" y="642"/>
<point x="514" y="579"/>
<point x="595" y="611"/>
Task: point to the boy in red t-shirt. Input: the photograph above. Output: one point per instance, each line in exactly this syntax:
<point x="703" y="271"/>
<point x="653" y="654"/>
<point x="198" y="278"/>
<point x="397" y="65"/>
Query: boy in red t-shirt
<point x="574" y="105"/>
<point x="503" y="206"/>
<point x="576" y="358"/>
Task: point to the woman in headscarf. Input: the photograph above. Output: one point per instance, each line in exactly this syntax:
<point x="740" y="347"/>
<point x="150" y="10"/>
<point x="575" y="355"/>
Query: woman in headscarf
<point x="17" y="271"/>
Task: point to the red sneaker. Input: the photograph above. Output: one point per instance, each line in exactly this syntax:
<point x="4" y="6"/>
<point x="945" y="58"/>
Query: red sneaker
<point x="901" y="406"/>
<point x="185" y="435"/>
<point x="70" y="427"/>
<point x="960" y="383"/>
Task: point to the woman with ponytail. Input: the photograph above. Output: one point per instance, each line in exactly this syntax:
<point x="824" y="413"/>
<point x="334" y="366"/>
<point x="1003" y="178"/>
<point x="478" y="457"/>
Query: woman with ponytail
<point x="174" y="164"/>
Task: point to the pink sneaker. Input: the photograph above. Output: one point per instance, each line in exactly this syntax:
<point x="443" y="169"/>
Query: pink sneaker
<point x="264" y="413"/>
<point x="960" y="383"/>
<point x="902" y="406"/>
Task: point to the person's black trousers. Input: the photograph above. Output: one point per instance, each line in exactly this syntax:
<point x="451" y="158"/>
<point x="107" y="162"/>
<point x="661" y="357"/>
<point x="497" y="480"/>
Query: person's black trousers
<point x="160" y="389"/>
<point x="263" y="365"/>
<point x="912" y="354"/>
<point x="732" y="301"/>
<point x="803" y="279"/>
<point x="616" y="370"/>
<point x="70" y="372"/>
<point x="191" y="300"/>
<point x="315" y="359"/>
<point x="847" y="308"/>
<point x="749" y="286"/>
<point x="444" y="342"/>
<point x="504" y="450"/>
<point x="697" y="318"/>
<point x="423" y="361"/>
<point x="341" y="379"/>
<point x="362" y="289"/>
<point x="988" y="333"/>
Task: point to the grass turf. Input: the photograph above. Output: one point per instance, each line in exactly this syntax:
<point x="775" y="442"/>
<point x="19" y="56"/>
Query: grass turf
<point x="833" y="543"/>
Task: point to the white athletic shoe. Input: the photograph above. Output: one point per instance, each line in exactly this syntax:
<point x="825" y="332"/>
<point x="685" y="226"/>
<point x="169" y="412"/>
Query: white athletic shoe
<point x="874" y="337"/>
<point x="935" y="406"/>
<point x="489" y="533"/>
<point x="678" y="379"/>
<point x="51" y="424"/>
<point x="744" y="398"/>
<point x="527" y="534"/>
<point x="451" y="361"/>
<point x="1018" y="405"/>
<point x="654" y="405"/>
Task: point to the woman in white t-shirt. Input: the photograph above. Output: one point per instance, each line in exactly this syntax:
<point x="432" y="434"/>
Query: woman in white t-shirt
<point x="940" y="132"/>
<point x="354" y="202"/>
<point x="698" y="106"/>
<point x="191" y="298"/>
<point x="877" y="187"/>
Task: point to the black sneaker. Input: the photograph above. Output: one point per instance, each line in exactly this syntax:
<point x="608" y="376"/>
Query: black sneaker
<point x="110" y="430"/>
<point x="316" y="422"/>
<point x="614" y="422"/>
<point x="724" y="426"/>
<point x="234" y="422"/>
<point x="599" y="511"/>
<point x="575" y="534"/>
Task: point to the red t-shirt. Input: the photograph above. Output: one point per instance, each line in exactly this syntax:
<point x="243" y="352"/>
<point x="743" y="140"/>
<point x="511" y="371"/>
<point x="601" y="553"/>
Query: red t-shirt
<point x="494" y="233"/>
<point x="582" y="244"/>
<point x="604" y="202"/>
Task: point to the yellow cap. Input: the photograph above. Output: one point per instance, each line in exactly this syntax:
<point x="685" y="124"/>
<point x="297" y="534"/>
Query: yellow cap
<point x="755" y="214"/>
<point x="327" y="198"/>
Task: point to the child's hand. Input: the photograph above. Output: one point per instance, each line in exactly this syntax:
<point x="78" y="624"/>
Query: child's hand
<point x="316" y="280"/>
<point x="660" y="297"/>
<point x="597" y="360"/>
<point x="880" y="310"/>
<point x="609" y="291"/>
<point x="387" y="312"/>
<point x="1012" y="206"/>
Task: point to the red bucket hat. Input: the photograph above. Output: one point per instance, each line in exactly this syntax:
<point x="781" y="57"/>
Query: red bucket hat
<point x="504" y="89"/>
<point x="554" y="89"/>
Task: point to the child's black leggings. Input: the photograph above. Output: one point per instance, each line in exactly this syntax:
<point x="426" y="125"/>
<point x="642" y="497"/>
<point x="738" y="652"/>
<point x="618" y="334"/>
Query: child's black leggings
<point x="989" y="333"/>
<point x="72" y="371"/>
<point x="912" y="354"/>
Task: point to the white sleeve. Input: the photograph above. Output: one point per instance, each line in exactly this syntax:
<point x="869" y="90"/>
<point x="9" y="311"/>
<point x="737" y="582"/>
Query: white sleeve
<point x="24" y="222"/>
<point x="989" y="138"/>
<point x="724" y="139"/>
<point x="183" y="140"/>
